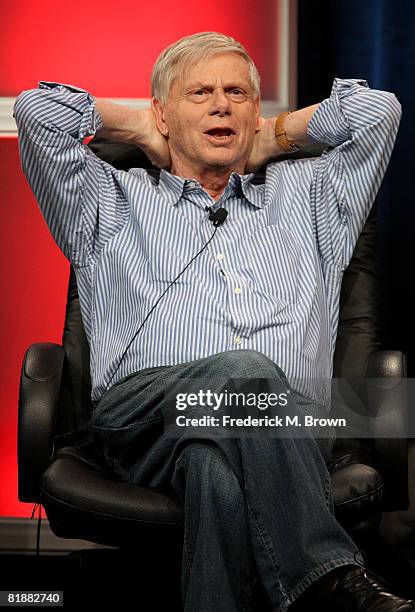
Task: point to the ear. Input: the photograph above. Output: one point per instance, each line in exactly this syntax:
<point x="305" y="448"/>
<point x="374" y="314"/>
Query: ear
<point x="257" y="103"/>
<point x="159" y="113"/>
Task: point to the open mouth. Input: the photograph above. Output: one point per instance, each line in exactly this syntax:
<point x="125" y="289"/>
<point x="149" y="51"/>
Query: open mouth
<point x="220" y="135"/>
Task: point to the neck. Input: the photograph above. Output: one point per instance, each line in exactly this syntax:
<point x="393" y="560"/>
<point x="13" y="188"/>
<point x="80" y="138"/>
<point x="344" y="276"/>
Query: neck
<point x="212" y="179"/>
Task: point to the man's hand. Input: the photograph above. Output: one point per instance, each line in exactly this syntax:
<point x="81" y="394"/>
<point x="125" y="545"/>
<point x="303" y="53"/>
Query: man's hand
<point x="123" y="124"/>
<point x="152" y="141"/>
<point x="265" y="146"/>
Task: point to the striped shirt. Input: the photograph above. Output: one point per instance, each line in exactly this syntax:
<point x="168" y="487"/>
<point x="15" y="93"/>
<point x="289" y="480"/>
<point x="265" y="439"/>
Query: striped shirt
<point x="270" y="278"/>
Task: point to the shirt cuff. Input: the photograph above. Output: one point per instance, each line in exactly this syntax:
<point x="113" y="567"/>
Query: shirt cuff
<point x="81" y="101"/>
<point x="329" y="123"/>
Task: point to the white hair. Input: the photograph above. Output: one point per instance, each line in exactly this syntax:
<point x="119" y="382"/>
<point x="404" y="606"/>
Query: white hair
<point x="173" y="60"/>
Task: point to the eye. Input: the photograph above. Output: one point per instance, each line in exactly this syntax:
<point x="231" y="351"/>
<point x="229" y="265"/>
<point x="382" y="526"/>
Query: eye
<point x="198" y="95"/>
<point x="237" y="95"/>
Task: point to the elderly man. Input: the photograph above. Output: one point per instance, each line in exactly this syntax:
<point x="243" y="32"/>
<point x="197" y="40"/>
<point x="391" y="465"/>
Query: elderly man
<point x="166" y="303"/>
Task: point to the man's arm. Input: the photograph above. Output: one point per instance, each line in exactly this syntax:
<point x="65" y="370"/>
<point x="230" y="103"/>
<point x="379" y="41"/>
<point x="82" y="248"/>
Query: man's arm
<point x="358" y="126"/>
<point x="265" y="144"/>
<point x="76" y="191"/>
<point x="134" y="126"/>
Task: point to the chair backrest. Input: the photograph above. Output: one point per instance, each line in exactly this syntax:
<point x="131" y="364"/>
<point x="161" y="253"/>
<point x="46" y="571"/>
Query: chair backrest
<point x="358" y="333"/>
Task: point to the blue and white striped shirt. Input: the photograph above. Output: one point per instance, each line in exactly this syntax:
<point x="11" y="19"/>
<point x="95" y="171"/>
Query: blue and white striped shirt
<point x="269" y="280"/>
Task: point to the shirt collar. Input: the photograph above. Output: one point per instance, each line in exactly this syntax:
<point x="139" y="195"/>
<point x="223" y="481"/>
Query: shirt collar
<point x="172" y="187"/>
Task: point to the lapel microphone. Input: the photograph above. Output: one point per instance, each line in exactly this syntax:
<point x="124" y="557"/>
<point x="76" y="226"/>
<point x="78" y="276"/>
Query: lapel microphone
<point x="217" y="217"/>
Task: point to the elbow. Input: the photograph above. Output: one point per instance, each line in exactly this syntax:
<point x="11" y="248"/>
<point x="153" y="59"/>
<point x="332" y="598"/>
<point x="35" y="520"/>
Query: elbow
<point x="391" y="109"/>
<point x="25" y="106"/>
<point x="384" y="113"/>
<point x="395" y="107"/>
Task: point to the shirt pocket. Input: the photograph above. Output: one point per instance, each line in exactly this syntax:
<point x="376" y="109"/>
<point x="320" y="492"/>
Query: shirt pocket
<point x="166" y="262"/>
<point x="274" y="257"/>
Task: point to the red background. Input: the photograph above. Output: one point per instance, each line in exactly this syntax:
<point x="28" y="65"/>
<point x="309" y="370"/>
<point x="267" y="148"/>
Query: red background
<point x="109" y="49"/>
<point x="35" y="274"/>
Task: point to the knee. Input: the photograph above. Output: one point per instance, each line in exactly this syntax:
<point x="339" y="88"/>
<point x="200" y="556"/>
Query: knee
<point x="248" y="363"/>
<point x="208" y="472"/>
<point x="203" y="458"/>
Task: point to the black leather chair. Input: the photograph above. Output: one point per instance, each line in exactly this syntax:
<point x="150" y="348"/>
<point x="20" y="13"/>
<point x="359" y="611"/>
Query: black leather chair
<point x="60" y="466"/>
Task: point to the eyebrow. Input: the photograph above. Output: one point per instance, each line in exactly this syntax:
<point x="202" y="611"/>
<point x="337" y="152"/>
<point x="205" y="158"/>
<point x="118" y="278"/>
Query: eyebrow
<point x="199" y="84"/>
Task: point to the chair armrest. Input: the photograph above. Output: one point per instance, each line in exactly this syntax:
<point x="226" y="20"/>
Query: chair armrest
<point x="40" y="384"/>
<point x="387" y="399"/>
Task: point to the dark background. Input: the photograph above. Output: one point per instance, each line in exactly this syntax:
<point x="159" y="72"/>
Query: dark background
<point x="373" y="40"/>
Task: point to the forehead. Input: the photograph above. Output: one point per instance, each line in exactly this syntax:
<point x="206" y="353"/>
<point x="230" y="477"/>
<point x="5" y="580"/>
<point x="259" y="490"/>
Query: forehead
<point x="219" y="68"/>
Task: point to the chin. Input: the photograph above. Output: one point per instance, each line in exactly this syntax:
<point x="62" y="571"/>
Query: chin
<point x="221" y="161"/>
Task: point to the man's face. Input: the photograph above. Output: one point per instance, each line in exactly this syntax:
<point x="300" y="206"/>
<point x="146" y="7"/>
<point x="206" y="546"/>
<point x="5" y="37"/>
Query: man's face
<point x="211" y="114"/>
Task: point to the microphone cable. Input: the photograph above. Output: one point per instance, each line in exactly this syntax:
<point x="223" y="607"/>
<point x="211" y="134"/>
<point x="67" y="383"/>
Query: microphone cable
<point x="217" y="217"/>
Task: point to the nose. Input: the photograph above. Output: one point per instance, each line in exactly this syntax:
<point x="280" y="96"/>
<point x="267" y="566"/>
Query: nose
<point x="220" y="103"/>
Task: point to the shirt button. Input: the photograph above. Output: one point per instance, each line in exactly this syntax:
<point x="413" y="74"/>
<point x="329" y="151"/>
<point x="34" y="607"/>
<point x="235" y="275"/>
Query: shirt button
<point x="220" y="256"/>
<point x="238" y="340"/>
<point x="237" y="290"/>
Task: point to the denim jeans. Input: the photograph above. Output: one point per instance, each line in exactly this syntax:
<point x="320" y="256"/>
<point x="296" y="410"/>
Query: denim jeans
<point x="255" y="507"/>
